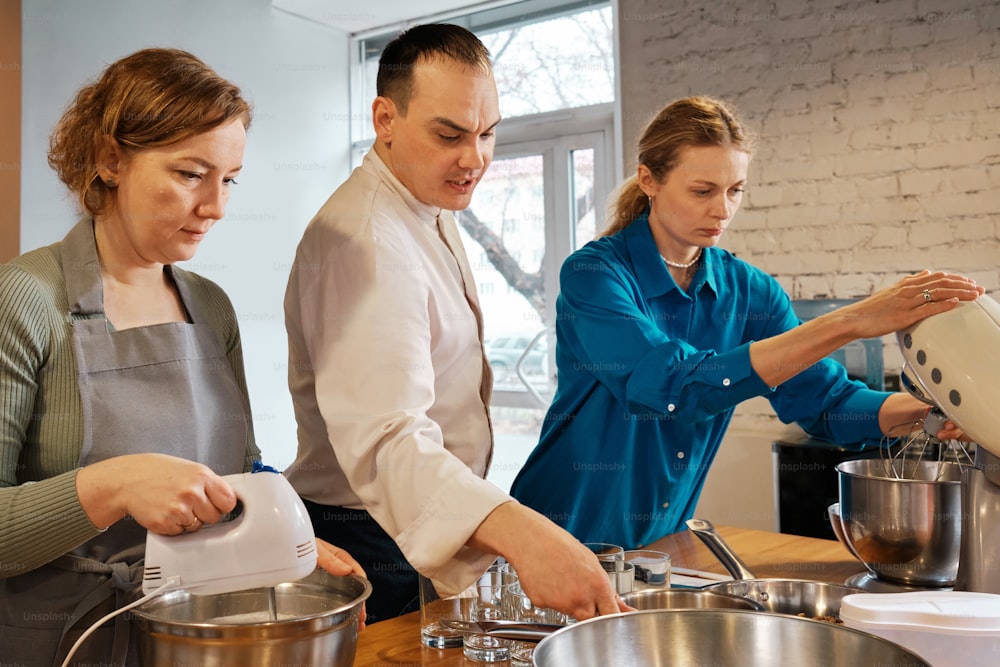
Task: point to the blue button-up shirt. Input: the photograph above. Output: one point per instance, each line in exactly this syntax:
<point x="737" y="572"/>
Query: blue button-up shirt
<point x="649" y="376"/>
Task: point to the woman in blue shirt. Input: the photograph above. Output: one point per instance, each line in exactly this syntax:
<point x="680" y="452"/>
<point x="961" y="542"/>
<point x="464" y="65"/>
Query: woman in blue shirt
<point x="660" y="334"/>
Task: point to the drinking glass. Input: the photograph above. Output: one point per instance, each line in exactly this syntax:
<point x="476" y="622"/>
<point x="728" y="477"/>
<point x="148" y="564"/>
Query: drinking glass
<point x="485" y="601"/>
<point x="479" y="602"/>
<point x="652" y="568"/>
<point x="623" y="577"/>
<point x="610" y="555"/>
<point x="612" y="559"/>
<point x="523" y="609"/>
<point x="521" y="654"/>
<point x="435" y="611"/>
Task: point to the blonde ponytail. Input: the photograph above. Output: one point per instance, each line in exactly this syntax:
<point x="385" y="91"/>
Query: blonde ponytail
<point x="629" y="204"/>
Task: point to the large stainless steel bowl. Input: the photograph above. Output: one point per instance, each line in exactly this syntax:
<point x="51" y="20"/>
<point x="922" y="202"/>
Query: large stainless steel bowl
<point x="719" y="637"/>
<point x="679" y="598"/>
<point x="908" y="529"/>
<point x="317" y="624"/>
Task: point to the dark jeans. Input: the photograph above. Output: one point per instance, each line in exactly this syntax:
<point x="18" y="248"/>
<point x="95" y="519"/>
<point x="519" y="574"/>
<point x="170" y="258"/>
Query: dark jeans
<point x="394" y="581"/>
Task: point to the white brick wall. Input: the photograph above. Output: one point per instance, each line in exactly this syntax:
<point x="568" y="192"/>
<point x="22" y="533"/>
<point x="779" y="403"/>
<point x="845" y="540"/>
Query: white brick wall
<point x="879" y="126"/>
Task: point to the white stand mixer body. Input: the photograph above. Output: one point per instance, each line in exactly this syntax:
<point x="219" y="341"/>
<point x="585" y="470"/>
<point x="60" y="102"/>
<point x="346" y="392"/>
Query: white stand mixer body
<point x="952" y="360"/>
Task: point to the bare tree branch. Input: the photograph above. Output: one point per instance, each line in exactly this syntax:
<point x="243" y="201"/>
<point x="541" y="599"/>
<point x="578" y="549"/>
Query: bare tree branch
<point x="510" y="40"/>
<point x="529" y="285"/>
<point x="554" y="78"/>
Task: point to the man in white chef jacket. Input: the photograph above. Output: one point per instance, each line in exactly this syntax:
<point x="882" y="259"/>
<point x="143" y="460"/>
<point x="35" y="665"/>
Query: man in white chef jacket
<point x="389" y="382"/>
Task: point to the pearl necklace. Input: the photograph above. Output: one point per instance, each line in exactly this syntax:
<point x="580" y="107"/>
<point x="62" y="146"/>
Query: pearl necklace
<point x="678" y="265"/>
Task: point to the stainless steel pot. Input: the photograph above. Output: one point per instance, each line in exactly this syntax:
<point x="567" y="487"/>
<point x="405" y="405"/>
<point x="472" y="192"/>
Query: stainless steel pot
<point x="317" y="624"/>
<point x="720" y="637"/>
<point x="798" y="597"/>
<point x="678" y="598"/>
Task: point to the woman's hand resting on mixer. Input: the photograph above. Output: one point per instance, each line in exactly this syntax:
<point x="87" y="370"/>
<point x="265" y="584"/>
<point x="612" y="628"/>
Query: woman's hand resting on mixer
<point x="164" y="494"/>
<point x="338" y="562"/>
<point x="910" y="300"/>
<point x="907" y="302"/>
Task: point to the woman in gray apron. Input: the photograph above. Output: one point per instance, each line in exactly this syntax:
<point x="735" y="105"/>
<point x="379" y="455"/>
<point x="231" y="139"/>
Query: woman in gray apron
<point x="121" y="376"/>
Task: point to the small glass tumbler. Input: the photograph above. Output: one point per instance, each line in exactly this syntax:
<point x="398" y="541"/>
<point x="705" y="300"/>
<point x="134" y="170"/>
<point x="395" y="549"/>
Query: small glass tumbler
<point x="521" y="654"/>
<point x="482" y="601"/>
<point x="486" y="601"/>
<point x="623" y="578"/>
<point x="435" y="611"/>
<point x="486" y="648"/>
<point x="652" y="568"/>
<point x="523" y="609"/>
<point x="611" y="556"/>
<point x="612" y="559"/>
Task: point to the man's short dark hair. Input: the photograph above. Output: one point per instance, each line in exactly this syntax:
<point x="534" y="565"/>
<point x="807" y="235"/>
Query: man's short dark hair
<point x="425" y="42"/>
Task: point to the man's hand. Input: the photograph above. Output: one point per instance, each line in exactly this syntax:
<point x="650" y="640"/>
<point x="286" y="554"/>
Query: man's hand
<point x="554" y="568"/>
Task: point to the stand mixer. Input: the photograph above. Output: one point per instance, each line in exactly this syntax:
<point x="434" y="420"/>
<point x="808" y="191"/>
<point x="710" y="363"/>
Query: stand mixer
<point x="952" y="362"/>
<point x="269" y="542"/>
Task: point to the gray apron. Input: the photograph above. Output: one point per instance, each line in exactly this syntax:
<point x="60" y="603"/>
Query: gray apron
<point x="167" y="388"/>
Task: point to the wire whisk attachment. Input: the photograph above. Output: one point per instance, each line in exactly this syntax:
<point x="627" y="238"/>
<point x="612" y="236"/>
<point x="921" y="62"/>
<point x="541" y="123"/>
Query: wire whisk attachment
<point x="917" y="454"/>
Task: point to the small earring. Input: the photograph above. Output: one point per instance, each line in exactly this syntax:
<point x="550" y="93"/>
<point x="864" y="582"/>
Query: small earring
<point x="110" y="182"/>
<point x="650" y="200"/>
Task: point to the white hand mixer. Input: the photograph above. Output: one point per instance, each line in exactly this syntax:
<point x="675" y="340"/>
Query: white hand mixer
<point x="271" y="541"/>
<point x="268" y="541"/>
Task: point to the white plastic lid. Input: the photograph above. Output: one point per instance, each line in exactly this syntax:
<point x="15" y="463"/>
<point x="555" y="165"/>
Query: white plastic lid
<point x="925" y="610"/>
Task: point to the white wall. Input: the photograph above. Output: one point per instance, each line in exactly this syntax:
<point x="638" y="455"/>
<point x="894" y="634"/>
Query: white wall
<point x="296" y="74"/>
<point x="740" y="487"/>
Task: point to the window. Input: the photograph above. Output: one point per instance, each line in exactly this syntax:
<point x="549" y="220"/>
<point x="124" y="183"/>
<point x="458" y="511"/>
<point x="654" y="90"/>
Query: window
<point x="547" y="55"/>
<point x="542" y="196"/>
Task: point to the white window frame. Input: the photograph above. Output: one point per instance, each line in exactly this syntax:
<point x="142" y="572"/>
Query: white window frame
<point x="556" y="134"/>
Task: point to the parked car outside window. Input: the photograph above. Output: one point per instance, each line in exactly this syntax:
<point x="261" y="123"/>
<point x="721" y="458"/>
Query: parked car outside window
<point x="504" y="351"/>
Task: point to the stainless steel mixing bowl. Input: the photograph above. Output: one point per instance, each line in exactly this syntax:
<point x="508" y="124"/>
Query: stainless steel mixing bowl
<point x="908" y="529"/>
<point x="317" y="624"/>
<point x="719" y="637"/>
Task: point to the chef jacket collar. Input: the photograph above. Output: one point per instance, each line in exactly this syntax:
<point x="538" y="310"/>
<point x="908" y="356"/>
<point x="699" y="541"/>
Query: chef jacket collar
<point x="424" y="212"/>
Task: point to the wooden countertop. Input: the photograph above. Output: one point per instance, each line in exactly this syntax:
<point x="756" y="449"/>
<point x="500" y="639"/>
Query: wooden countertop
<point x="397" y="641"/>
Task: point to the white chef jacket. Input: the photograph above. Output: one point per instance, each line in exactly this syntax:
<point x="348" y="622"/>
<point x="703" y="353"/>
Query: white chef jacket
<point x="387" y="373"/>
